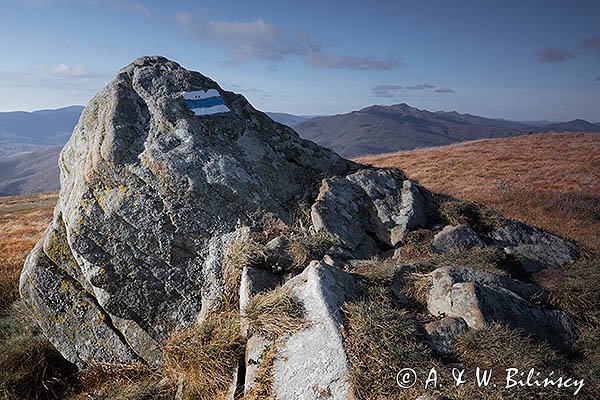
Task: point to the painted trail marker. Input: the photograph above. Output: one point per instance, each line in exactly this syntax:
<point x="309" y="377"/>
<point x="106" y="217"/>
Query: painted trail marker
<point x="205" y="102"/>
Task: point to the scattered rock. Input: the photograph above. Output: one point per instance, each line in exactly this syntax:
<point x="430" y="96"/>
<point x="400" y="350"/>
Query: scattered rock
<point x="278" y="255"/>
<point x="368" y="210"/>
<point x="455" y="239"/>
<point x="152" y="188"/>
<point x="481" y="298"/>
<point x="313" y="361"/>
<point x="535" y="248"/>
<point x="441" y="334"/>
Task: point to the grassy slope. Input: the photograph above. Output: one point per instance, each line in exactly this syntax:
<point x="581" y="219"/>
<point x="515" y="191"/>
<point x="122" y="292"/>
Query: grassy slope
<point x="549" y="180"/>
<point x="23" y="219"/>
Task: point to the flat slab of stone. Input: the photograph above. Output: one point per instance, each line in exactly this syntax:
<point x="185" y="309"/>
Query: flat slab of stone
<point x="535" y="248"/>
<point x="312" y="363"/>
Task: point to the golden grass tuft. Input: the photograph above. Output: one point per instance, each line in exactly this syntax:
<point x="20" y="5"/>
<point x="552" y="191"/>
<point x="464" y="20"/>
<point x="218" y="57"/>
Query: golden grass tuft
<point x="205" y="356"/>
<point x="275" y="313"/>
<point x="305" y="247"/>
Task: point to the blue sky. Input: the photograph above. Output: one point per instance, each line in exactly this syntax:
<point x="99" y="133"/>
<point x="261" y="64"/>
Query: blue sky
<point x="523" y="60"/>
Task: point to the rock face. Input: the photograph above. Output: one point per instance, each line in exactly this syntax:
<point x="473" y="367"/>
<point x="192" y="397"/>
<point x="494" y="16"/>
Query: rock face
<point x="456" y="238"/>
<point x="151" y="191"/>
<point x="480" y="298"/>
<point x="535" y="248"/>
<point x="369" y="210"/>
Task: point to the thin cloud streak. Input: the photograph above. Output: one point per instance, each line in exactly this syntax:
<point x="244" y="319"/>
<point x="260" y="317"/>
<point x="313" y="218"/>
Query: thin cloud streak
<point x="553" y="54"/>
<point x="391" y="90"/>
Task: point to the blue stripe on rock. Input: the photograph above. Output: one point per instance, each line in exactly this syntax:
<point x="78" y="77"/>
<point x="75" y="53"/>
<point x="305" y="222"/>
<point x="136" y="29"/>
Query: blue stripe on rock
<point x="210" y="102"/>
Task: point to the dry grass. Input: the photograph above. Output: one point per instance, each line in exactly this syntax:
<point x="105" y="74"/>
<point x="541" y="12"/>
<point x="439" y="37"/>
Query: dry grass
<point x="263" y="382"/>
<point x="549" y="180"/>
<point x="243" y="251"/>
<point x="305" y="247"/>
<point x="206" y="356"/>
<point x="134" y="381"/>
<point x="380" y="340"/>
<point x="275" y="313"/>
<point x="30" y="368"/>
<point x="23" y="219"/>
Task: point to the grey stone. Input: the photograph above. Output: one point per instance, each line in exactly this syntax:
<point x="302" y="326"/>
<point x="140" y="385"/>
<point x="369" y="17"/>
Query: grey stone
<point x="455" y="239"/>
<point x="535" y="248"/>
<point x="481" y="298"/>
<point x="312" y="364"/>
<point x="368" y="210"/>
<point x="441" y="334"/>
<point x="151" y="194"/>
<point x="278" y="254"/>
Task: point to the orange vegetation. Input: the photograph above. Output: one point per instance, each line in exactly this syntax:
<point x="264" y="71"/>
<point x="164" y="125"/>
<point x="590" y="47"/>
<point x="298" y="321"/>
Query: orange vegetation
<point x="22" y="222"/>
<point x="549" y="180"/>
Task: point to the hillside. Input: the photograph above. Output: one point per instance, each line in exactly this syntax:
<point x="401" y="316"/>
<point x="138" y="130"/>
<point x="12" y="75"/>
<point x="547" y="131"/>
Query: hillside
<point x="379" y="129"/>
<point x="550" y="180"/>
<point x="30" y="172"/>
<point x="28" y="131"/>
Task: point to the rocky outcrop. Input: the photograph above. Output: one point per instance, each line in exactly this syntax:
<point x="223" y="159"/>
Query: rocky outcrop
<point x="480" y="298"/>
<point x="455" y="239"/>
<point x="369" y="210"/>
<point x="151" y="191"/>
<point x="535" y="248"/>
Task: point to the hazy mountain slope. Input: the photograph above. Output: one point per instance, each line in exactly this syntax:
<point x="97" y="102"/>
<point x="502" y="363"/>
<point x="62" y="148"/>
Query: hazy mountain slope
<point x="27" y="131"/>
<point x="380" y="129"/>
<point x="33" y="172"/>
<point x="287" y="119"/>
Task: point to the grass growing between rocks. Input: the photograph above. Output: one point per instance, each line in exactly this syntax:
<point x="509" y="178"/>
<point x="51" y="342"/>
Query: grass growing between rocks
<point x="305" y="247"/>
<point x="206" y="356"/>
<point x="263" y="381"/>
<point x="243" y="251"/>
<point x="134" y="381"/>
<point x="381" y="339"/>
<point x="275" y="313"/>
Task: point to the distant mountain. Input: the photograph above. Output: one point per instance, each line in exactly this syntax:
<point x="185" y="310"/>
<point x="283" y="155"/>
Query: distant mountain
<point x="287" y="119"/>
<point x="34" y="172"/>
<point x="578" y="125"/>
<point x="28" y="131"/>
<point x="381" y="129"/>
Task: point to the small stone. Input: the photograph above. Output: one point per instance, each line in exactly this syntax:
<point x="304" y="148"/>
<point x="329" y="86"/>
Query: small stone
<point x="455" y="239"/>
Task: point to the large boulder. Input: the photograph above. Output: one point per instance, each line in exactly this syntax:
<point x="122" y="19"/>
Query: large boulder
<point x="535" y="248"/>
<point x="160" y="170"/>
<point x="369" y="210"/>
<point x="481" y="298"/>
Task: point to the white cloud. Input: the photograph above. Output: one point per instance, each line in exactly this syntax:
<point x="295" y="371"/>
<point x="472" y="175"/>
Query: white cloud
<point x="259" y="40"/>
